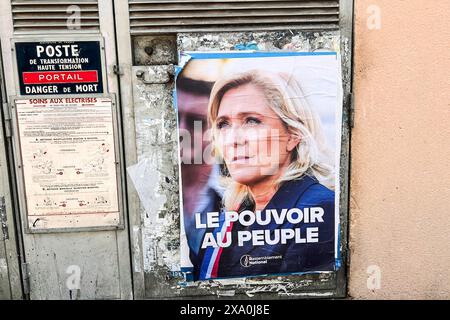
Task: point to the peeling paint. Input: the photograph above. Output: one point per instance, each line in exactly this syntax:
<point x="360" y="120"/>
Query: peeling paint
<point x="308" y="294"/>
<point x="4" y="279"/>
<point x="226" y="293"/>
<point x="3" y="266"/>
<point x="265" y="41"/>
<point x="143" y="176"/>
<point x="137" y="248"/>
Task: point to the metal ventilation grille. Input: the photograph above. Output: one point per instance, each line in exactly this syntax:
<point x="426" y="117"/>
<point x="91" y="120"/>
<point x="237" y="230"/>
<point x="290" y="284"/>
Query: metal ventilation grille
<point x="54" y="15"/>
<point x="159" y="16"/>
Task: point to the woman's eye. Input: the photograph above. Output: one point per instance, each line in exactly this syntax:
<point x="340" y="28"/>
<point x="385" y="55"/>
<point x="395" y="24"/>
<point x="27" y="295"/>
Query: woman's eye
<point x="222" y="124"/>
<point x="252" y="121"/>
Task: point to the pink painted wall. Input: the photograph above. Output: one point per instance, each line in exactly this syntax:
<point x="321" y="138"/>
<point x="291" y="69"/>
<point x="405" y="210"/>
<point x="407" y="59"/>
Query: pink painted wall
<point x="400" y="175"/>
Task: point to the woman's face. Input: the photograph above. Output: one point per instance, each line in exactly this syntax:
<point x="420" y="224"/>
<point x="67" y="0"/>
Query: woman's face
<point x="253" y="140"/>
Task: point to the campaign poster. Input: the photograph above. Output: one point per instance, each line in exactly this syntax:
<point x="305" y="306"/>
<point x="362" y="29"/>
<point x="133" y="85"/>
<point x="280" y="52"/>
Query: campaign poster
<point x="259" y="149"/>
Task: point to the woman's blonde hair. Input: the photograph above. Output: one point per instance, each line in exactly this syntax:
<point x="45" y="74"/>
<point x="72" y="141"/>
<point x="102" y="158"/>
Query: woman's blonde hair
<point x="285" y="96"/>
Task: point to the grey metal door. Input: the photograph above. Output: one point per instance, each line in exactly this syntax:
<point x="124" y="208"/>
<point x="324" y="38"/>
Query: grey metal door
<point x="65" y="265"/>
<point x="10" y="281"/>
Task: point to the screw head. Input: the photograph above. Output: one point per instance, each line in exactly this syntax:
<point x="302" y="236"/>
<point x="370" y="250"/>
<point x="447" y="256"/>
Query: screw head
<point x="148" y="50"/>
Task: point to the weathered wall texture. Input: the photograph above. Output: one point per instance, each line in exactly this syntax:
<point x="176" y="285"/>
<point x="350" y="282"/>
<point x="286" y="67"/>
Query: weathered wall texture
<point x="400" y="176"/>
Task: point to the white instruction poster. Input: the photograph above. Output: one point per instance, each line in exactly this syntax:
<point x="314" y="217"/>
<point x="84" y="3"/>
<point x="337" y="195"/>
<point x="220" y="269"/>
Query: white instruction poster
<point x="68" y="162"/>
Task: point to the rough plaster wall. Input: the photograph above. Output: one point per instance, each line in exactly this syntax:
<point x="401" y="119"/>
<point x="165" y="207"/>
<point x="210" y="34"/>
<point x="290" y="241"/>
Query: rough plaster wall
<point x="400" y="178"/>
<point x="156" y="140"/>
<point x="266" y="41"/>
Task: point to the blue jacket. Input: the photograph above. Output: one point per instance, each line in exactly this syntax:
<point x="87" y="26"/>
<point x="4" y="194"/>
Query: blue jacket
<point x="249" y="260"/>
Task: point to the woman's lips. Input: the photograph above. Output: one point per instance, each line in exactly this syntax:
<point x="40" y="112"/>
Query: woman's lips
<point x="240" y="159"/>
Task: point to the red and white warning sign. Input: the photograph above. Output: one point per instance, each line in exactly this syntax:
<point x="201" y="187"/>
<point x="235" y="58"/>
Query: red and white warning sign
<point x="60" y="77"/>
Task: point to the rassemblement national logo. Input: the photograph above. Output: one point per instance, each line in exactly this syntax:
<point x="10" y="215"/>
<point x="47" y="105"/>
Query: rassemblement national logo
<point x="247" y="260"/>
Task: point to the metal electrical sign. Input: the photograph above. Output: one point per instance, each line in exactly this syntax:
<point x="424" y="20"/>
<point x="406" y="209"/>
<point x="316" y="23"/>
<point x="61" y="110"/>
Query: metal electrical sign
<point x="59" y="67"/>
<point x="70" y="172"/>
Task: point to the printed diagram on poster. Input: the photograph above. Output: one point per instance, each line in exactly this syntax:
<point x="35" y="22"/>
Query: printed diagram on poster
<point x="59" y="67"/>
<point x="68" y="155"/>
<point x="260" y="138"/>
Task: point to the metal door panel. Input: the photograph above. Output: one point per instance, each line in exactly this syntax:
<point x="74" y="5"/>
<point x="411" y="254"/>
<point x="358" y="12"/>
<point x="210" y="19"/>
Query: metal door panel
<point x="58" y="259"/>
<point x="54" y="261"/>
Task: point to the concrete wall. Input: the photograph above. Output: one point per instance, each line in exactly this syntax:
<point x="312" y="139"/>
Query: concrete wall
<point x="400" y="175"/>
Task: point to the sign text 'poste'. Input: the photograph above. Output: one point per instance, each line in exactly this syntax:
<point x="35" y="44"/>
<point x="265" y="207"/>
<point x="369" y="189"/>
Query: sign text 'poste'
<point x="59" y="67"/>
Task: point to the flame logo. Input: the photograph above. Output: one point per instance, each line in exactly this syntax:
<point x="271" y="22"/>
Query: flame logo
<point x="245" y="261"/>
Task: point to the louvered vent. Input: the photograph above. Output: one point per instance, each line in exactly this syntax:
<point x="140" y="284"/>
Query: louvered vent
<point x="159" y="16"/>
<point x="54" y="15"/>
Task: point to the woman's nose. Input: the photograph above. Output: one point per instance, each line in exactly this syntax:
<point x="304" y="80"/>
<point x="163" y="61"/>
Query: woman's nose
<point x="236" y="136"/>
